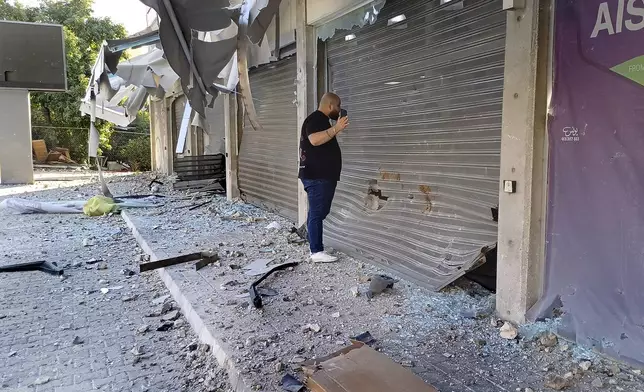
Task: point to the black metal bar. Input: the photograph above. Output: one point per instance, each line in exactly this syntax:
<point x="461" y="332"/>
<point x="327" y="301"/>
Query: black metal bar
<point x="44" y="266"/>
<point x="255" y="297"/>
<point x="206" y="261"/>
<point x="152" y="265"/>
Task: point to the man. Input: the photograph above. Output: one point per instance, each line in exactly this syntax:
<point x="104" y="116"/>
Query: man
<point x="320" y="167"/>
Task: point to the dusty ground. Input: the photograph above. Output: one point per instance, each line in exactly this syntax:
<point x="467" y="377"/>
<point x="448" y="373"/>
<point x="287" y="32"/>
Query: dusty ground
<point x="450" y="339"/>
<point x="64" y="333"/>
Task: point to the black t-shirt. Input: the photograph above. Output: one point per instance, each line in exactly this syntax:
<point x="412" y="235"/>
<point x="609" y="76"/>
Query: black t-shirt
<point x="322" y="162"/>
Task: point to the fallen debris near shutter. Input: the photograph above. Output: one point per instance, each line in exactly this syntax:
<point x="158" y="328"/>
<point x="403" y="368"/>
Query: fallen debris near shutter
<point x="49" y="267"/>
<point x="255" y="297"/>
<point x="380" y="283"/>
<point x="291" y="384"/>
<point x="508" y="331"/>
<point x="301" y="233"/>
<point x="257" y="267"/>
<point x="358" y="368"/>
<point x="205" y="257"/>
<point x="365" y="338"/>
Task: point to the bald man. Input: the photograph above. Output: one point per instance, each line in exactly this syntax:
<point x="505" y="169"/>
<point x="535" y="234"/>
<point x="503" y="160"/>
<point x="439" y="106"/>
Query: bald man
<point x="320" y="167"/>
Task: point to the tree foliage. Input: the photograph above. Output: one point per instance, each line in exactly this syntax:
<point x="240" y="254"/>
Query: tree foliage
<point x="59" y="113"/>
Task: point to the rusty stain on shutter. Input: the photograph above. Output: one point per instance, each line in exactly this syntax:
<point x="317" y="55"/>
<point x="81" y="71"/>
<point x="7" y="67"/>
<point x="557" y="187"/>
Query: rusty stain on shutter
<point x="268" y="157"/>
<point x="422" y="154"/>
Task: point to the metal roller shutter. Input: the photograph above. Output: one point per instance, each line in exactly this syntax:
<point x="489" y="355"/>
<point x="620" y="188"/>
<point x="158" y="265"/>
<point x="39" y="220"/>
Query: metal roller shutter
<point x="422" y="154"/>
<point x="268" y="158"/>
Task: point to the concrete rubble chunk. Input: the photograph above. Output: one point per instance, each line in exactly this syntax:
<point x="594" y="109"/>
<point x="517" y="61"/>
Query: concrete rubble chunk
<point x="137" y="351"/>
<point x="355" y="291"/>
<point x="597" y="383"/>
<point x="42" y="380"/>
<point x="558" y="383"/>
<point x="12" y="354"/>
<point x="508" y="331"/>
<point x="171" y="316"/>
<point x="160" y="300"/>
<point x="585" y="365"/>
<point x="548" y="340"/>
<point x="298" y="359"/>
<point x="167" y="307"/>
<point x="129" y="298"/>
<point x="274" y="226"/>
<point x="143" y="329"/>
<point x="165" y="326"/>
<point x="311" y="327"/>
<point x="78" y="340"/>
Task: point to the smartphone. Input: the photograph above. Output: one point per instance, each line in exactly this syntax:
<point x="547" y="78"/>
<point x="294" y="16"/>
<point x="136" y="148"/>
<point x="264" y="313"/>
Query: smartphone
<point x="343" y="113"/>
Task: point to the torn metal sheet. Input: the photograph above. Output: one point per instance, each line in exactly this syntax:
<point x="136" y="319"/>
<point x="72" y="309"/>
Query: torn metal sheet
<point x="243" y="46"/>
<point x="183" y="130"/>
<point x="257" y="267"/>
<point x="186" y="22"/>
<point x="122" y="89"/>
<point x="365" y="15"/>
<point x="94" y="139"/>
<point x="260" y="18"/>
<point x="133" y="42"/>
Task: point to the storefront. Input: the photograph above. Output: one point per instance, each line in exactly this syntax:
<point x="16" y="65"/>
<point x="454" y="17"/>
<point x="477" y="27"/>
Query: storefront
<point x="595" y="223"/>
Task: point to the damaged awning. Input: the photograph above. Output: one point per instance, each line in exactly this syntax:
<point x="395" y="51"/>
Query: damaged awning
<point x="204" y="40"/>
<point x="121" y="88"/>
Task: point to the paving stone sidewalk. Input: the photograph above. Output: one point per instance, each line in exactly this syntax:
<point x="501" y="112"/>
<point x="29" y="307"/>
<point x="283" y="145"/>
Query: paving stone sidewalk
<point x="90" y="329"/>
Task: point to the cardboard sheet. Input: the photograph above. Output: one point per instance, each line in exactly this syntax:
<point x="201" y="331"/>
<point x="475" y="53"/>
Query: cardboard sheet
<point x="359" y="368"/>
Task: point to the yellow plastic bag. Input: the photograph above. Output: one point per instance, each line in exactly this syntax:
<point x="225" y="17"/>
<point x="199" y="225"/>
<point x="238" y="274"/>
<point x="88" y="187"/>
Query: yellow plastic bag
<point x="99" y="206"/>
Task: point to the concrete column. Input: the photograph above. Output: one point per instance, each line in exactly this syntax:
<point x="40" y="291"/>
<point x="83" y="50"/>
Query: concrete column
<point x="232" y="146"/>
<point x="523" y="159"/>
<point x="306" y="42"/>
<point x="16" y="160"/>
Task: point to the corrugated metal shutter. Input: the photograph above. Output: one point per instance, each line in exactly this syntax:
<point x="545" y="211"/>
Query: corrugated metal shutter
<point x="268" y="158"/>
<point x="422" y="153"/>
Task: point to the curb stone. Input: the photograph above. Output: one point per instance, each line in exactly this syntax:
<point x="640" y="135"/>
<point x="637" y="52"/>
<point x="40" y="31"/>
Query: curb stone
<point x="219" y="350"/>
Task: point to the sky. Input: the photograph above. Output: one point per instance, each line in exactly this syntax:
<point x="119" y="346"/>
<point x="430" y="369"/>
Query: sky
<point x="130" y="13"/>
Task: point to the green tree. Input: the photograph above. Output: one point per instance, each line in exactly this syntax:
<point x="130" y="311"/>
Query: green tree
<point x="56" y="117"/>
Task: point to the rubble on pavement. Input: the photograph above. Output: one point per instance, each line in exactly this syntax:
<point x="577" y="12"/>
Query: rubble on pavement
<point x="451" y="339"/>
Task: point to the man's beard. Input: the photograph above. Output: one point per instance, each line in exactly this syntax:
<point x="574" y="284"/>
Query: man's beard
<point x="334" y="116"/>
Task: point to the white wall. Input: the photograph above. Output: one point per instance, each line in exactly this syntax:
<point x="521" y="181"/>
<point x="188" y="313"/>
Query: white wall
<point x="16" y="161"/>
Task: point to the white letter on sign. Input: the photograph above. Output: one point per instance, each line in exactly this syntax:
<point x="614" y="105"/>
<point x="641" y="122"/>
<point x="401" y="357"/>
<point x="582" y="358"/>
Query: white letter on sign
<point x="635" y="11"/>
<point x="604" y="21"/>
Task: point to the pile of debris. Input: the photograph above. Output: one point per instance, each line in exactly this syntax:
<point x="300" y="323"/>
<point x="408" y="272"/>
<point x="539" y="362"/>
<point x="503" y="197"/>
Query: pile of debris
<point x="55" y="155"/>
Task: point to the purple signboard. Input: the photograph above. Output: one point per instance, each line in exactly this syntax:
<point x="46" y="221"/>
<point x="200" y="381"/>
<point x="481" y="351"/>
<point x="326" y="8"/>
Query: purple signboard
<point x="595" y="229"/>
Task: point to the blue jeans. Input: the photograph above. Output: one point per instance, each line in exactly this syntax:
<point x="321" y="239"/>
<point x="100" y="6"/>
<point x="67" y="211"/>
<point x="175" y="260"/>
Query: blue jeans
<point x="320" y="195"/>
